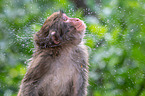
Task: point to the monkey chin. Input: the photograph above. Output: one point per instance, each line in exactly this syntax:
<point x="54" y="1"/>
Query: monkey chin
<point x="81" y="27"/>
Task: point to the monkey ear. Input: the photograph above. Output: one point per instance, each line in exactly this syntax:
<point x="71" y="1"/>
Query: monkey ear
<point x="54" y="38"/>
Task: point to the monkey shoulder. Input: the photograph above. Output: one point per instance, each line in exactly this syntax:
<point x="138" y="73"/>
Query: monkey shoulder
<point x="38" y="66"/>
<point x="80" y="59"/>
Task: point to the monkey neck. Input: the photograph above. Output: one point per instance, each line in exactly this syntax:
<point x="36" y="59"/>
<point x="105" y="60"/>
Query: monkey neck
<point x="54" y="51"/>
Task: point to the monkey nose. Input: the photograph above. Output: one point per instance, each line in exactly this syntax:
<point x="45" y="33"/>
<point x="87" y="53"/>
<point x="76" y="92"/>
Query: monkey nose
<point x="77" y="19"/>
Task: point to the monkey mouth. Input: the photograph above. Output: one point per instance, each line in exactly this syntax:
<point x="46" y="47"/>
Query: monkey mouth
<point x="81" y="27"/>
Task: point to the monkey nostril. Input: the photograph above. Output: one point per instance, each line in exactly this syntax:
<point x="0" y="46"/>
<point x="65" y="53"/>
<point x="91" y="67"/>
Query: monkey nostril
<point x="77" y="19"/>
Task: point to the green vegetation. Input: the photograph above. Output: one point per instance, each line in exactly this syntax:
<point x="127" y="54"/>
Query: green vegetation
<point x="115" y="37"/>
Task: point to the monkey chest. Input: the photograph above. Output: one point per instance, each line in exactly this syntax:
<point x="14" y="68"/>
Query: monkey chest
<point x="59" y="77"/>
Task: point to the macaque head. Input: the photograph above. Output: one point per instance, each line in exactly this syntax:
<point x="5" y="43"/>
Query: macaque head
<point x="60" y="30"/>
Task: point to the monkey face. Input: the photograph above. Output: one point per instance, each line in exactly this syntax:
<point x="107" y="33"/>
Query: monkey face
<point x="76" y="22"/>
<point x="60" y="30"/>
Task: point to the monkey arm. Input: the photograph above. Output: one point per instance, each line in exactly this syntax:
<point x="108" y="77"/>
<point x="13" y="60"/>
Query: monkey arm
<point x="80" y="80"/>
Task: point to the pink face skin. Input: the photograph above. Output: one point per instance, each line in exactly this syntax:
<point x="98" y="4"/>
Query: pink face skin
<point x="77" y="23"/>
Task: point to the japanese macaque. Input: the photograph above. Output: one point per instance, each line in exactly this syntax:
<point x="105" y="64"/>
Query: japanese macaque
<point x="59" y="65"/>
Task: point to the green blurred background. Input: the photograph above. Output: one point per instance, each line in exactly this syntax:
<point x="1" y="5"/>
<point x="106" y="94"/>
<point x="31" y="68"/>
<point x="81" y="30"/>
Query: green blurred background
<point x="115" y="37"/>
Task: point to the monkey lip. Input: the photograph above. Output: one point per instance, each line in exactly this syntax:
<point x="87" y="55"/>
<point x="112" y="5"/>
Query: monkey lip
<point x="81" y="27"/>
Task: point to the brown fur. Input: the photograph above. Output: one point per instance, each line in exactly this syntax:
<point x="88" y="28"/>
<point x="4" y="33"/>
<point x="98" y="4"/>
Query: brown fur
<point x="57" y="69"/>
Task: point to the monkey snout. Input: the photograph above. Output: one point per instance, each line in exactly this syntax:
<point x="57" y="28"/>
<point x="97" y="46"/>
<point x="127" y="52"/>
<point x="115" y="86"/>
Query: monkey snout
<point x="76" y="19"/>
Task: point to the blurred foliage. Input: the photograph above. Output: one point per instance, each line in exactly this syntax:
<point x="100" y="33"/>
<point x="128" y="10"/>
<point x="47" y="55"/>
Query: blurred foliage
<point x="115" y="38"/>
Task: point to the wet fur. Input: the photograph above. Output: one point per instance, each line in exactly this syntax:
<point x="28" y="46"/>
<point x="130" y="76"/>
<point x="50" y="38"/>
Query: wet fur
<point x="57" y="70"/>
